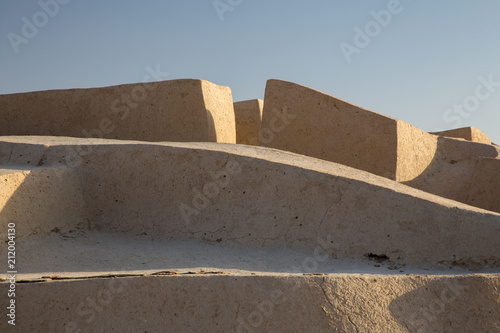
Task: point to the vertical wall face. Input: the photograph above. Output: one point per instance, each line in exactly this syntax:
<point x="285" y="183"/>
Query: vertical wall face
<point x="308" y="122"/>
<point x="416" y="151"/>
<point x="39" y="200"/>
<point x="178" y="110"/>
<point x="248" y="121"/>
<point x="485" y="189"/>
<point x="220" y="112"/>
<point x="450" y="173"/>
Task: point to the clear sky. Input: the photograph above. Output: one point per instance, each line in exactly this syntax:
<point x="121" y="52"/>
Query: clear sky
<point x="434" y="64"/>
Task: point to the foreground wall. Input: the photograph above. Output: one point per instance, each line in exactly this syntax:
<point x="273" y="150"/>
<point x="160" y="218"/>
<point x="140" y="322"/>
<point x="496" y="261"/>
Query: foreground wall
<point x="245" y="304"/>
<point x="238" y="197"/>
<point x="177" y="110"/>
<point x="242" y="195"/>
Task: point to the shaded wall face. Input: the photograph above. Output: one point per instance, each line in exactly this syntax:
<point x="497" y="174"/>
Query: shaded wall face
<point x="308" y="122"/>
<point x="451" y="171"/>
<point x="485" y="188"/>
<point x="248" y="121"/>
<point x="178" y="110"/>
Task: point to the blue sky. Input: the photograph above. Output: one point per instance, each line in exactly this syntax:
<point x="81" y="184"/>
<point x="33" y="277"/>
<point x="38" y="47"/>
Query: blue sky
<point x="434" y="64"/>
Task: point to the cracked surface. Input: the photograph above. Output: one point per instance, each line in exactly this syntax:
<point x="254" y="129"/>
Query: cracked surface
<point x="267" y="303"/>
<point x="83" y="254"/>
<point x="286" y="243"/>
<point x="240" y="196"/>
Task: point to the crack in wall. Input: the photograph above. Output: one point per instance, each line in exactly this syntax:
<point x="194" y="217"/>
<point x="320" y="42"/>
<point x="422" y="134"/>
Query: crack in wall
<point x="321" y="285"/>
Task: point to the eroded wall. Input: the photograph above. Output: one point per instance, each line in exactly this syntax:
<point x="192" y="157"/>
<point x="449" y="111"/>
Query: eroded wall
<point x="176" y="110"/>
<point x="248" y="121"/>
<point x="306" y="121"/>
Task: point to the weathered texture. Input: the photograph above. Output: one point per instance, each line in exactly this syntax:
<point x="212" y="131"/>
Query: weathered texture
<point x="449" y="167"/>
<point x="451" y="172"/>
<point x="40" y="200"/>
<point x="242" y="195"/>
<point x="116" y="235"/>
<point x="289" y="303"/>
<point x="485" y="187"/>
<point x="318" y="125"/>
<point x="177" y="110"/>
<point x="466" y="133"/>
<point x="248" y="121"/>
<point x="306" y="121"/>
<point x="416" y="150"/>
<point x="219" y="109"/>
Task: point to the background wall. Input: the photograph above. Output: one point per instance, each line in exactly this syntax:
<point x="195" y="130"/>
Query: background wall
<point x="434" y="64"/>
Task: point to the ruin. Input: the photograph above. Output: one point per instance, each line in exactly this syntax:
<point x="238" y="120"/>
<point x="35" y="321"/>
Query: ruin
<point x="301" y="212"/>
<point x="248" y="121"/>
<point x="176" y="110"/>
<point x="466" y="133"/>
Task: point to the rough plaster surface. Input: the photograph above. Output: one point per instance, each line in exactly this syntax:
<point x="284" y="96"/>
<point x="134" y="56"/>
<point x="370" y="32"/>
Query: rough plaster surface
<point x="124" y="282"/>
<point x="116" y="235"/>
<point x="248" y="121"/>
<point x="451" y="173"/>
<point x="309" y="122"/>
<point x="466" y="133"/>
<point x="52" y="198"/>
<point x="248" y="196"/>
<point x="177" y="110"/>
<point x="485" y="189"/>
<point x="306" y="121"/>
<point x="285" y="303"/>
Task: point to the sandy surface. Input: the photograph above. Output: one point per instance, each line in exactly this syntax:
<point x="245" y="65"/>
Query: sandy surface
<point x="93" y="253"/>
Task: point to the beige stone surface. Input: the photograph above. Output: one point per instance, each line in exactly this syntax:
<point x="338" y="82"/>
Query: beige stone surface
<point x="485" y="188"/>
<point x="467" y="133"/>
<point x="306" y="121"/>
<point x="315" y="124"/>
<point x="219" y="112"/>
<point x="176" y="110"/>
<point x="357" y="222"/>
<point x="39" y="200"/>
<point x="448" y="167"/>
<point x="244" y="196"/>
<point x="289" y="303"/>
<point x="451" y="172"/>
<point x="248" y="121"/>
<point x="416" y="151"/>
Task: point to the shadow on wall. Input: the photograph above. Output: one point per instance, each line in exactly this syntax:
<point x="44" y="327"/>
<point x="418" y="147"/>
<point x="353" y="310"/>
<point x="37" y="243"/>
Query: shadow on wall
<point x="40" y="201"/>
<point x="315" y="124"/>
<point x="243" y="196"/>
<point x="451" y="170"/>
<point x="177" y="110"/>
<point x="450" y="304"/>
<point x="211" y="135"/>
